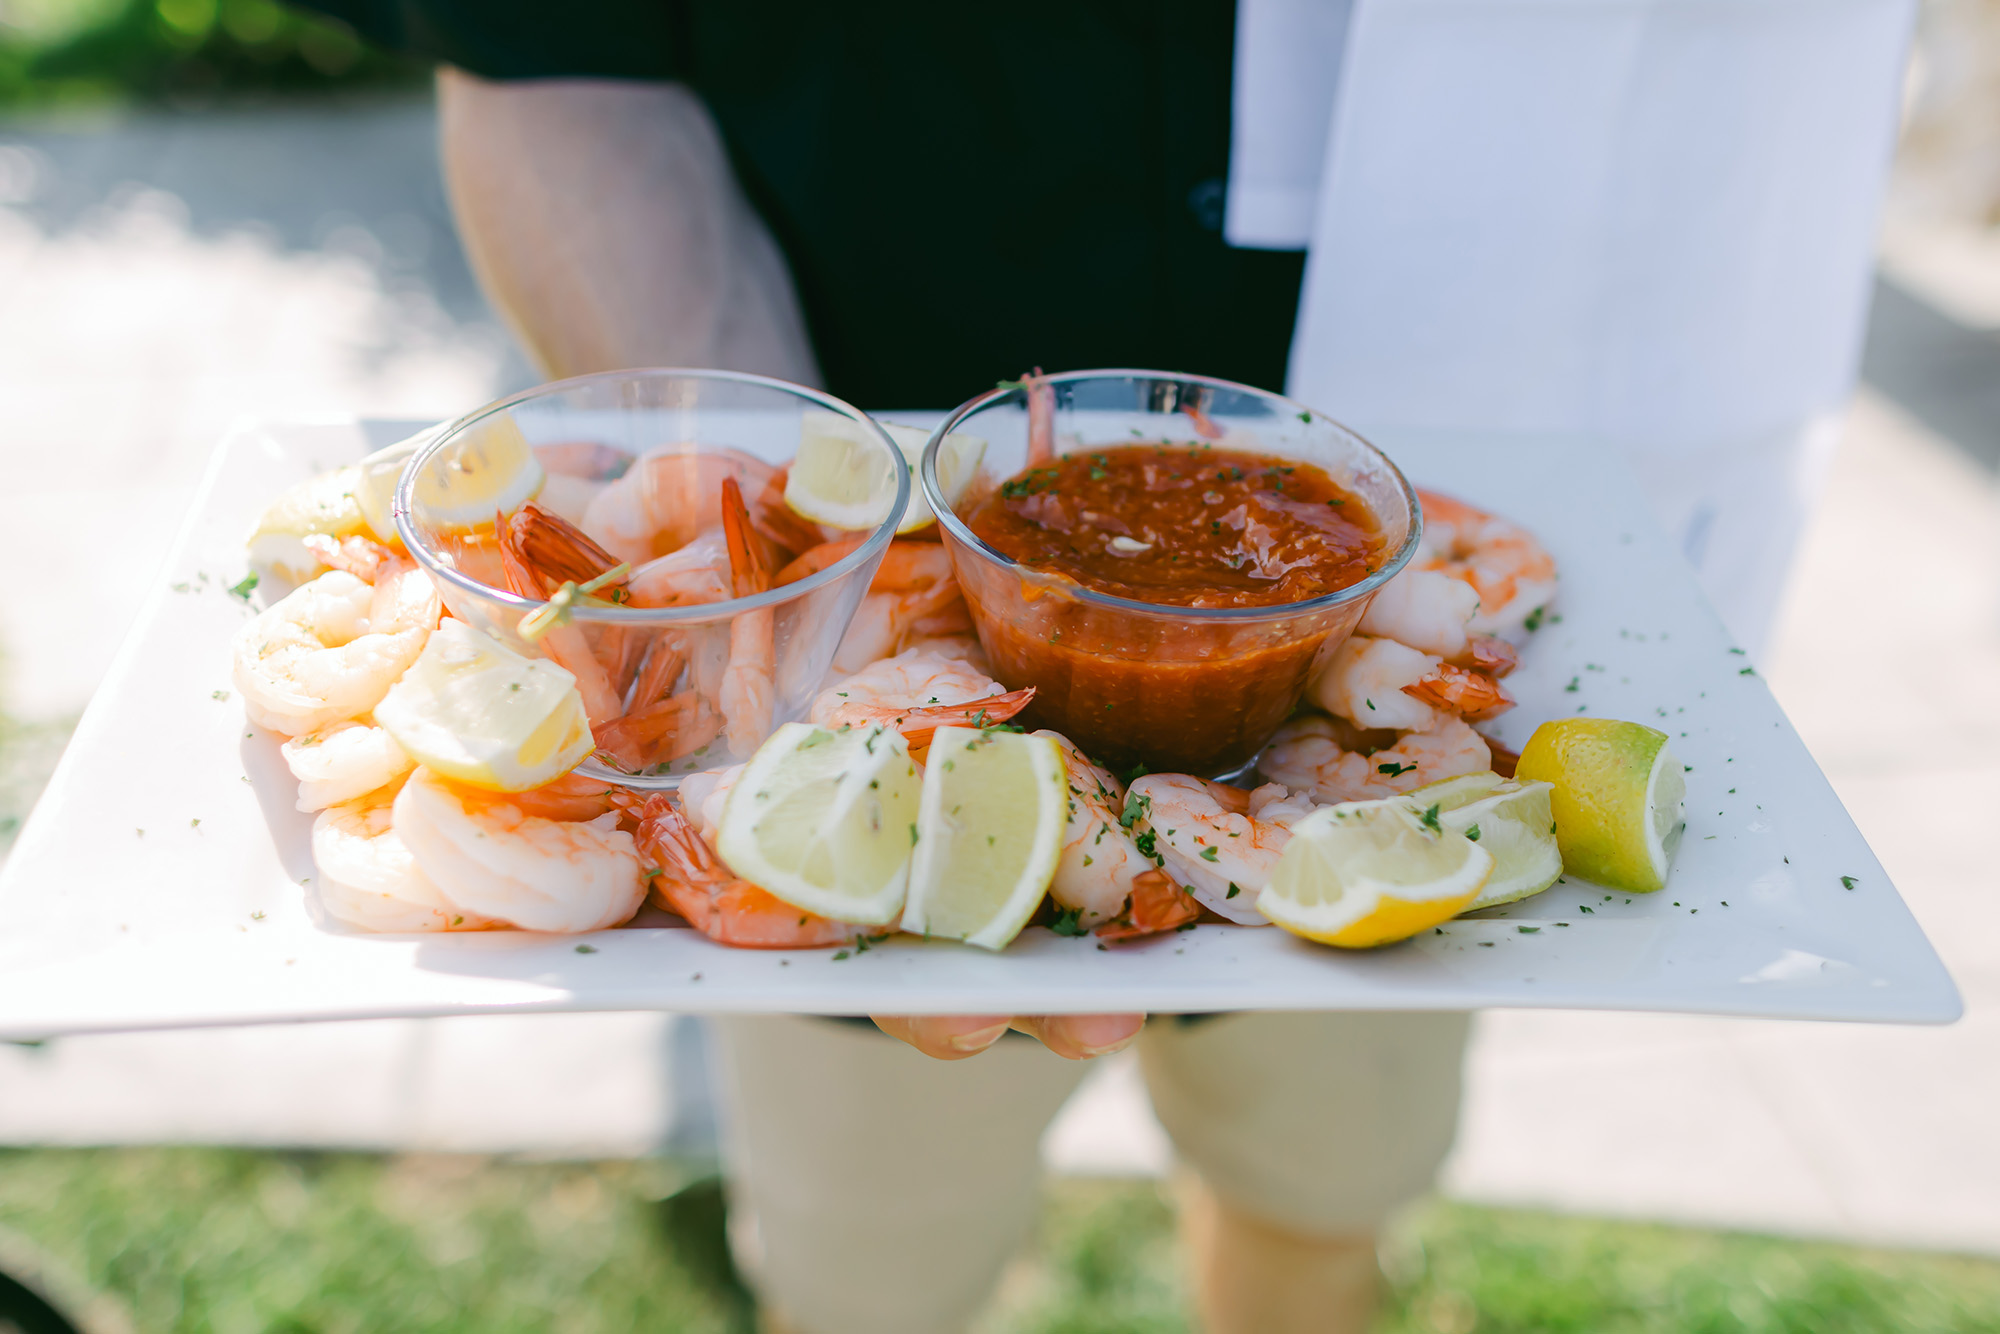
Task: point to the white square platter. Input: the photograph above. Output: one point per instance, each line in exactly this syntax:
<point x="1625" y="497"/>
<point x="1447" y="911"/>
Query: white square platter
<point x="163" y="879"/>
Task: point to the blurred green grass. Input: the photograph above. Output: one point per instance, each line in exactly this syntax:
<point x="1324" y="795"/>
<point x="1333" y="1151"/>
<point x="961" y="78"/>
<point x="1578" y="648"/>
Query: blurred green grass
<point x="201" y="1240"/>
<point x="64" y="53"/>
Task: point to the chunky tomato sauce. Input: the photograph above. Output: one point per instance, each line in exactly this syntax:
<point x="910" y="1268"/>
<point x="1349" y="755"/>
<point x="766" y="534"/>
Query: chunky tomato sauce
<point x="1184" y="527"/>
<point x="1183" y="530"/>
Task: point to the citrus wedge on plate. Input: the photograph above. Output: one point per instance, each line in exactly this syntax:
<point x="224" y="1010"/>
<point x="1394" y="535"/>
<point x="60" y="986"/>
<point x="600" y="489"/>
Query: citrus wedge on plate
<point x="995" y="805"/>
<point x="1617" y="799"/>
<point x="1366" y="873"/>
<point x="326" y="504"/>
<point x="474" y="710"/>
<point x="825" y="820"/>
<point x="958" y="463"/>
<point x="377" y="487"/>
<point x="1510" y="819"/>
<point x="487" y="470"/>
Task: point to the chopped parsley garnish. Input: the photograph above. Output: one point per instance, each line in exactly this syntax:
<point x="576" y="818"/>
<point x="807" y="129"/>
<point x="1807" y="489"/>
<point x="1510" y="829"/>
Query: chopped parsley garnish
<point x="1069" y="922"/>
<point x="1473" y="833"/>
<point x="1534" y="621"/>
<point x="1847" y="882"/>
<point x="1394" y="769"/>
<point x="1208" y="854"/>
<point x="586" y="949"/>
<point x="1429" y="819"/>
<point x="244" y="587"/>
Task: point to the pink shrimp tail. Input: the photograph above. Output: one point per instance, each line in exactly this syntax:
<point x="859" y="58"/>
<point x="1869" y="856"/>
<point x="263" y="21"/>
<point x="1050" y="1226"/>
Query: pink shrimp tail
<point x="1474" y="696"/>
<point x="918" y="726"/>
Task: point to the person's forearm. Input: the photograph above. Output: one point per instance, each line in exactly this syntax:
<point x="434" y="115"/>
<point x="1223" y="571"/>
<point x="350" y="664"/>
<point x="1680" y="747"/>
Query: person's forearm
<point x="603" y="222"/>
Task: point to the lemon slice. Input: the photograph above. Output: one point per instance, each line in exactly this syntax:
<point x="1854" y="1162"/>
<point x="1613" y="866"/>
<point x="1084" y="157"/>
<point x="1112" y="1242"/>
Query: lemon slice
<point x="379" y="472"/>
<point x="327" y="504"/>
<point x="489" y="469"/>
<point x="1367" y="873"/>
<point x="1617" y="800"/>
<point x="825" y="820"/>
<point x="958" y="463"/>
<point x="474" y="710"/>
<point x="989" y="834"/>
<point x="1510" y="819"/>
<point x="840" y="476"/>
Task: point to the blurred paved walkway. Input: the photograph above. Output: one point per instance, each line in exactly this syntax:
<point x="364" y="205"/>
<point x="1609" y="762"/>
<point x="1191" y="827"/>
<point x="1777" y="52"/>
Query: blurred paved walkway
<point x="160" y="276"/>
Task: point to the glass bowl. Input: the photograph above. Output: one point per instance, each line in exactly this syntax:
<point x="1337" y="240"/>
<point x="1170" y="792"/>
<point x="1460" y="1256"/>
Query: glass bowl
<point x="1177" y="689"/>
<point x="740" y="667"/>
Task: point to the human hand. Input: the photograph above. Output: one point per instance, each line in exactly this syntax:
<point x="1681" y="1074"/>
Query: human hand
<point x="953" y="1037"/>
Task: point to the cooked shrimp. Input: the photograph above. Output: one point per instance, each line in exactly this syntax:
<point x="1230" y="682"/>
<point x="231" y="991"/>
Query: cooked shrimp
<point x="344" y="761"/>
<point x="1220" y="842"/>
<point x="917" y="693"/>
<point x="558" y="549"/>
<point x="566" y="644"/>
<point x="964" y="646"/>
<point x="1379" y="683"/>
<point x="1425" y="609"/>
<point x="1325" y="759"/>
<point x="1099" y="862"/>
<point x="368" y="879"/>
<point x="746" y="695"/>
<point x="487" y="855"/>
<point x="662" y="732"/>
<point x="314" y="658"/>
<point x="692" y="881"/>
<point x="702" y="797"/>
<point x="671" y="494"/>
<point x="1157" y="904"/>
<point x="695" y="575"/>
<point x="914" y="592"/>
<point x="1513" y="573"/>
<point x="810" y="562"/>
<point x="404" y="598"/>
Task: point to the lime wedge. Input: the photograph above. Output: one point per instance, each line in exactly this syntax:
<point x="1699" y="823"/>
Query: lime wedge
<point x="474" y="710"/>
<point x="1617" y="799"/>
<point x="823" y="819"/>
<point x="1510" y="819"/>
<point x="1367" y="873"/>
<point x="995" y="805"/>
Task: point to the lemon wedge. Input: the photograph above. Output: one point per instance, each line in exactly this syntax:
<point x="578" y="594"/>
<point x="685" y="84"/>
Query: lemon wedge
<point x="825" y="820"/>
<point x="840" y="476"/>
<point x="1366" y="873"/>
<point x="474" y="710"/>
<point x="989" y="834"/>
<point x="1618" y="798"/>
<point x="376" y="489"/>
<point x="487" y="470"/>
<point x="958" y="463"/>
<point x="327" y="504"/>
<point x="1510" y="819"/>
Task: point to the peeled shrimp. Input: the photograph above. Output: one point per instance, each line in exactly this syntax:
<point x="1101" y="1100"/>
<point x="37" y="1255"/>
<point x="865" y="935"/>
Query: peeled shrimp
<point x="1221" y="842"/>
<point x="698" y="573"/>
<point x="702" y="796"/>
<point x="1321" y="757"/>
<point x="914" y="592"/>
<point x="1513" y="573"/>
<point x="1099" y="862"/>
<point x="671" y="494"/>
<point x="368" y="879"/>
<point x="316" y="657"/>
<point x="746" y="695"/>
<point x="488" y="856"/>
<point x="1425" y="609"/>
<point x="1379" y="683"/>
<point x="693" y="882"/>
<point x="917" y="693"/>
<point x="344" y="761"/>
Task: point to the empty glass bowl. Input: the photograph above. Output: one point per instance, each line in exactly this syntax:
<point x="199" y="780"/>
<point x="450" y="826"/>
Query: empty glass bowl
<point x="638" y="456"/>
<point x="1177" y="689"/>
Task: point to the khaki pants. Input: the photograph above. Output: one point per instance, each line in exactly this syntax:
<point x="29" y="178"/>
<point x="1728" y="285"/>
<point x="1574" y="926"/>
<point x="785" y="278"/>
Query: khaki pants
<point x="875" y="1189"/>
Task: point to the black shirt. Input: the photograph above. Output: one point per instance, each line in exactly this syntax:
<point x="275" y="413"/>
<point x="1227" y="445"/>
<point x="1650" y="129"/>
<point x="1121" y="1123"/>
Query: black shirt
<point x="963" y="190"/>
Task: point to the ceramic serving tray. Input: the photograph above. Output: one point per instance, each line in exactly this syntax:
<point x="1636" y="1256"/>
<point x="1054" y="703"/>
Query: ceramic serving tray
<point x="164" y="879"/>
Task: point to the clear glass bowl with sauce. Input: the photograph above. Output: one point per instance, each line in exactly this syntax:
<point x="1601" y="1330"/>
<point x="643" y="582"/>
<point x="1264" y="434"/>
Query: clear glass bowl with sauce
<point x="588" y="434"/>
<point x="1176" y="688"/>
